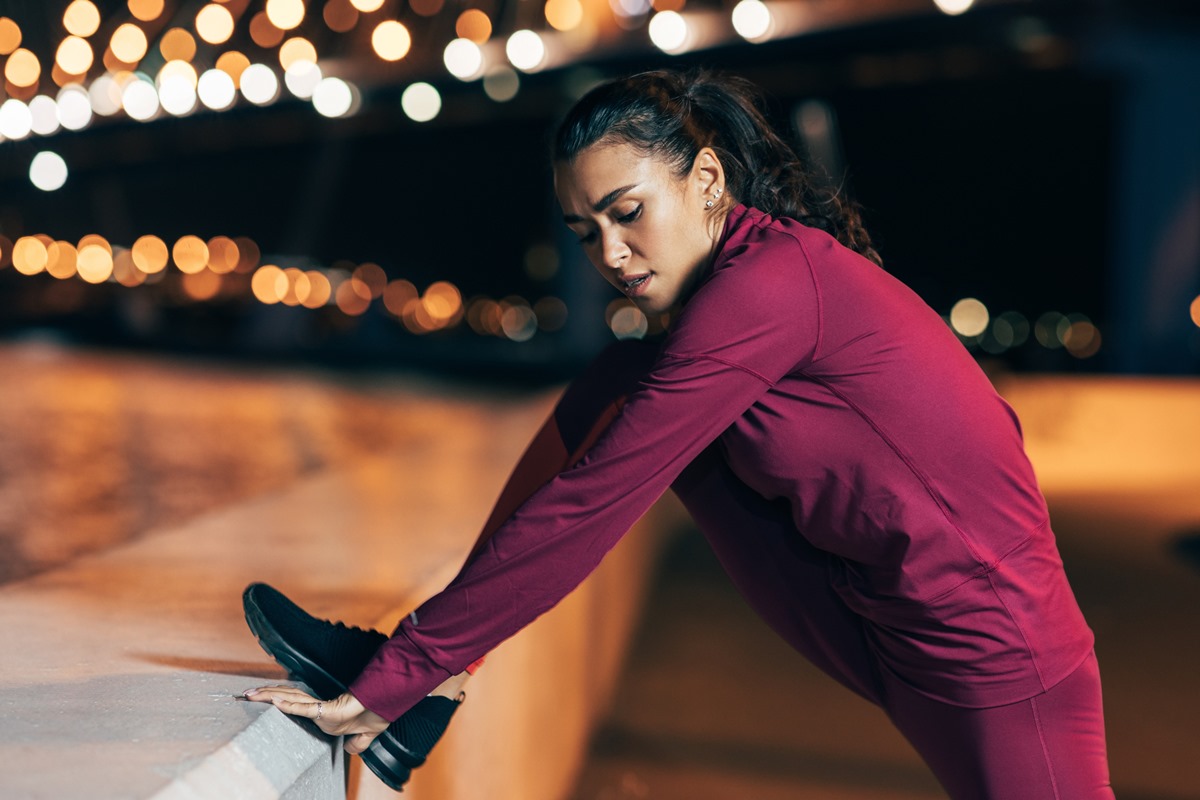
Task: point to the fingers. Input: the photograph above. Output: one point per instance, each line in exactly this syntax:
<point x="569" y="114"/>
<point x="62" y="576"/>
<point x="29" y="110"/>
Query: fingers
<point x="359" y="742"/>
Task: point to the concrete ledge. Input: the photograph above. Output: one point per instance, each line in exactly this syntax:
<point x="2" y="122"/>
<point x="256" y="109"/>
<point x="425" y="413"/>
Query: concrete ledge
<point x="118" y="672"/>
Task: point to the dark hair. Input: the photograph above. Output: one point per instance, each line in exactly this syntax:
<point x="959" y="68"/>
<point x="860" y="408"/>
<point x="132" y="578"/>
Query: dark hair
<point x="673" y="115"/>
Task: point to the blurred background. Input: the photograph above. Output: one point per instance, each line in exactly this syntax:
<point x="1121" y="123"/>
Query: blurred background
<point x="366" y="181"/>
<point x="244" y="241"/>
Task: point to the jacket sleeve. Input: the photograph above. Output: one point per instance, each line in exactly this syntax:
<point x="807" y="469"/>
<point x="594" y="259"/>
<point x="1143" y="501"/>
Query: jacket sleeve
<point x="753" y="321"/>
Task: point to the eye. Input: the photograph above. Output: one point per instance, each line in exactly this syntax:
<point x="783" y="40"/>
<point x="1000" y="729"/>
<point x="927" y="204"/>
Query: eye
<point x="631" y="216"/>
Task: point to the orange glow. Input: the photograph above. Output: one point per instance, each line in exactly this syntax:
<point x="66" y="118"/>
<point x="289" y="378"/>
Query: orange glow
<point x="426" y="8"/>
<point x="367" y="6"/>
<point x="202" y="285"/>
<point x="263" y="32"/>
<point x="125" y="271"/>
<point x="22" y="68"/>
<point x="74" y="56"/>
<point x="473" y="24"/>
<point x="177" y="45"/>
<point x="96" y="240"/>
<point x="95" y="263"/>
<point x="340" y="16"/>
<point x="150" y="254"/>
<point x="391" y="40"/>
<point x="61" y="78"/>
<point x="81" y="18"/>
<point x="233" y="64"/>
<point x="285" y="14"/>
<point x="190" y="254"/>
<point x="214" y="24"/>
<point x="443" y="303"/>
<point x="669" y="5"/>
<point x="128" y="43"/>
<point x="264" y="283"/>
<point x="564" y="15"/>
<point x="296" y="287"/>
<point x="222" y="255"/>
<point x="320" y="290"/>
<point x="146" y="10"/>
<point x="10" y="36"/>
<point x="60" y="260"/>
<point x="1195" y="310"/>
<point x="373" y="278"/>
<point x="248" y="254"/>
<point x="297" y="49"/>
<point x="353" y="298"/>
<point x="397" y="294"/>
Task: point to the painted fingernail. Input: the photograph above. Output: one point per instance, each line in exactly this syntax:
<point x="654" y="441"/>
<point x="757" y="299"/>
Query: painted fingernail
<point x="249" y="692"/>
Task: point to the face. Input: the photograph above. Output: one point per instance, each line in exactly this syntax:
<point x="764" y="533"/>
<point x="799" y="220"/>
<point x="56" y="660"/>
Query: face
<point x="643" y="227"/>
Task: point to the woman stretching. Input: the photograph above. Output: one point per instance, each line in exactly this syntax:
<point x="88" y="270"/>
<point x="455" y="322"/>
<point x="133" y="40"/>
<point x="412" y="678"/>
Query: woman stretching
<point x="860" y="480"/>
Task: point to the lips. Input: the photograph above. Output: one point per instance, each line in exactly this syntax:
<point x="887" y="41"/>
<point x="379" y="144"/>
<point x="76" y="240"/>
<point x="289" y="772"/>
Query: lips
<point x="634" y="285"/>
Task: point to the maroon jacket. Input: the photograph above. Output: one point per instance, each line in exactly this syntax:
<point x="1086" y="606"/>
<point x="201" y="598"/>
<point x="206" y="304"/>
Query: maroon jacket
<point x="828" y="383"/>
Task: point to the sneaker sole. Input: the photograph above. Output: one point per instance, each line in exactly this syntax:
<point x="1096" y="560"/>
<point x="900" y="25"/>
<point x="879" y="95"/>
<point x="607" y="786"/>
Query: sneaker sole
<point x="378" y="758"/>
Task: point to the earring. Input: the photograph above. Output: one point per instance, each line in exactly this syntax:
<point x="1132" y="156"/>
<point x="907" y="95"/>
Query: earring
<point x="718" y="192"/>
<point x="708" y="204"/>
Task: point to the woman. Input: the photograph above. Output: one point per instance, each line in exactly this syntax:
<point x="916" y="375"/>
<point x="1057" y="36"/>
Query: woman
<point x="860" y="480"/>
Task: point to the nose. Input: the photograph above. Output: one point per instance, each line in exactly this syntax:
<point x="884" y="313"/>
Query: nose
<point x="614" y="251"/>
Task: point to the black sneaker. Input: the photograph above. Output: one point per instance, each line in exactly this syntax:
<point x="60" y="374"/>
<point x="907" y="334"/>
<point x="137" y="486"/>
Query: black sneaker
<point x="327" y="657"/>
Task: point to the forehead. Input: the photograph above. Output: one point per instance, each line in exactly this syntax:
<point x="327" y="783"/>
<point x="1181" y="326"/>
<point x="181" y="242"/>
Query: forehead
<point x="601" y="168"/>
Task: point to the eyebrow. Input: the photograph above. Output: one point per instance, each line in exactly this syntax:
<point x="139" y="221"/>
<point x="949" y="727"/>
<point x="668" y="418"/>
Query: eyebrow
<point x="602" y="203"/>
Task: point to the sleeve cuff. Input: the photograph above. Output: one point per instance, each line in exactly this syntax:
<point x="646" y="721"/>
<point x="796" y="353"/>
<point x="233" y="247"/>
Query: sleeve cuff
<point x="396" y="678"/>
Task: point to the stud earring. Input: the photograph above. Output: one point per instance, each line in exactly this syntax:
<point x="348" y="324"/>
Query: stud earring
<point x="708" y="204"/>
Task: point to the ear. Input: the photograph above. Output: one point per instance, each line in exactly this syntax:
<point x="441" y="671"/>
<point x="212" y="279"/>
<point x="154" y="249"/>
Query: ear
<point x="707" y="173"/>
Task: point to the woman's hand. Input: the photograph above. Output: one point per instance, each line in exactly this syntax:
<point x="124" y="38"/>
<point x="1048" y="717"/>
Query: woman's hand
<point x="341" y="716"/>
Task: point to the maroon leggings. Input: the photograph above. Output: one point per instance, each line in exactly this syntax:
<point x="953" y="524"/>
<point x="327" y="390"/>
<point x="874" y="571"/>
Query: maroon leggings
<point x="1048" y="747"/>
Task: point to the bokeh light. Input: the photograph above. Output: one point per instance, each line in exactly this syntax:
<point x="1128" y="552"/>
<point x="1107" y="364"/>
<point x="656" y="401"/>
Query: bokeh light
<point x="501" y="83"/>
<point x="104" y="96"/>
<point x="264" y="284"/>
<point x="74" y="55"/>
<point x="223" y="255"/>
<point x="81" y="18"/>
<point x="233" y="64"/>
<point x="259" y="84"/>
<point x="463" y="58"/>
<point x="525" y="50"/>
<point x="177" y="95"/>
<point x="216" y="89"/>
<point x="475" y="25"/>
<point x="397" y="294"/>
<point x="551" y="314"/>
<point x="953" y="7"/>
<point x="22" y="68"/>
<point x="518" y="321"/>
<point x="60" y="260"/>
<point x="201" y="285"/>
<point x="177" y="45"/>
<point x="564" y="15"/>
<point x="10" y="36"/>
<point x="320" y="290"/>
<point x="352" y="298"/>
<point x="285" y="14"/>
<point x="625" y="320"/>
<point x="669" y="32"/>
<point x="752" y="20"/>
<point x="125" y="272"/>
<point x="140" y="100"/>
<point x="333" y="97"/>
<point x="190" y="254"/>
<point x="150" y="254"/>
<point x="29" y="255"/>
<point x="1194" y="309"/>
<point x="302" y="78"/>
<point x="1046" y="329"/>
<point x="264" y="33"/>
<point x="340" y="16"/>
<point x="16" y="120"/>
<point x="146" y="10"/>
<point x="43" y="112"/>
<point x="969" y="317"/>
<point x="391" y="40"/>
<point x="94" y="263"/>
<point x="48" y="171"/>
<point x="214" y="24"/>
<point x="421" y="102"/>
<point x="74" y="107"/>
<point x="128" y="43"/>
<point x="426" y="8"/>
<point x="367" y="6"/>
<point x="1081" y="338"/>
<point x="297" y="49"/>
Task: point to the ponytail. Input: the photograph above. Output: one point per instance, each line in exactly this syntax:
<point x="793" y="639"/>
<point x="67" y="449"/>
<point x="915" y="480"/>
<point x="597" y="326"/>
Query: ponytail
<point x="673" y="115"/>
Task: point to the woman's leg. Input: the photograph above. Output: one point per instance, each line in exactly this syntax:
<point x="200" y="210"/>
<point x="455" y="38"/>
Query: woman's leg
<point x="782" y="577"/>
<point x="1049" y="747"/>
